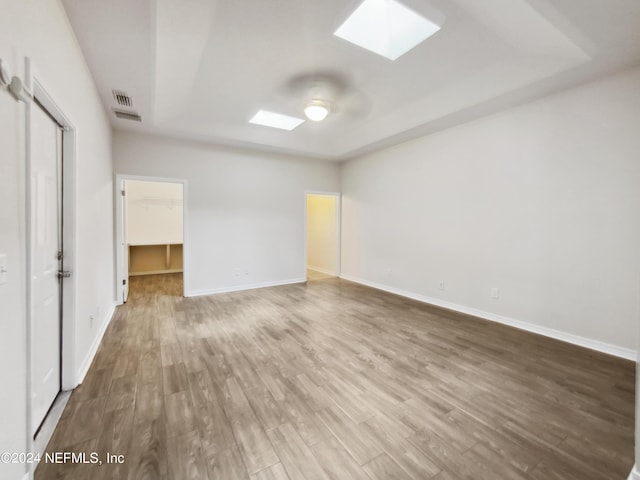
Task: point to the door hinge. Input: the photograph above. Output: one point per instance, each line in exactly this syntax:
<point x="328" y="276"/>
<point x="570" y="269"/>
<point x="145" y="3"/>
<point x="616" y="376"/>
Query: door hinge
<point x="64" y="273"/>
<point x="60" y="255"/>
<point x="124" y="282"/>
<point x="123" y="193"/>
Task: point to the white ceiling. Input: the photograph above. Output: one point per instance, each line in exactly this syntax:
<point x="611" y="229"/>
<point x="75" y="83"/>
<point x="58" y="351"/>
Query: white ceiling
<point x="200" y="69"/>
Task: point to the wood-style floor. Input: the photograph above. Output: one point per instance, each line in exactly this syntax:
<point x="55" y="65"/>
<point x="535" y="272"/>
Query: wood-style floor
<point x="332" y="380"/>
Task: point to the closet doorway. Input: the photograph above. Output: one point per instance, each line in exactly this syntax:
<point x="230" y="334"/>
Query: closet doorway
<point x="150" y="229"/>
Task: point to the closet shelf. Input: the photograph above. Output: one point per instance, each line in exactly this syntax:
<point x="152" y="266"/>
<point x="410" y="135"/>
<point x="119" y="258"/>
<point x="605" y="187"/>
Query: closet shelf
<point x="154" y="258"/>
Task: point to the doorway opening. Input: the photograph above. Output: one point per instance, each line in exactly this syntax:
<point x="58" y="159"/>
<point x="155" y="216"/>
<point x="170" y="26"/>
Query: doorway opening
<point x="322" y="252"/>
<point x="150" y="215"/>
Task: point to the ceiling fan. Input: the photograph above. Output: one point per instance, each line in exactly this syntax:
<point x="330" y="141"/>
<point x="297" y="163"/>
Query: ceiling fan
<point x="323" y="93"/>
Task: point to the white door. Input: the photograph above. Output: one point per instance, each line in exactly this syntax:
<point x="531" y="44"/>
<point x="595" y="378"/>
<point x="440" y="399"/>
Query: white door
<point x="45" y="245"/>
<point x="125" y="248"/>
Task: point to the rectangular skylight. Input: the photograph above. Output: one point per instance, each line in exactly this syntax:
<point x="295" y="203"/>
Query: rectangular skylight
<point x="386" y="27"/>
<point x="275" y="120"/>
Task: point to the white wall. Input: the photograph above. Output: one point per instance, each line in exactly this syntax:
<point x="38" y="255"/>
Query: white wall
<point x="13" y="367"/>
<point x="321" y="233"/>
<point x="41" y="31"/>
<point x="154" y="212"/>
<point x="245" y="211"/>
<point x="540" y="201"/>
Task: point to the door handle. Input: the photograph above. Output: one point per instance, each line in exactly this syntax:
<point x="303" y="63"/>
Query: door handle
<point x="64" y="273"/>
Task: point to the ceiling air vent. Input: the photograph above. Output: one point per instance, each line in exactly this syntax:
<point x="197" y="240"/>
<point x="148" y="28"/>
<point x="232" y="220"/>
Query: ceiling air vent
<point x="128" y="115"/>
<point x="122" y="98"/>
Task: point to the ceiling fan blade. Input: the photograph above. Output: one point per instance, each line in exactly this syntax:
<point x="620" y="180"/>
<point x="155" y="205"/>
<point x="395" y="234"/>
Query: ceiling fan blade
<point x="355" y="105"/>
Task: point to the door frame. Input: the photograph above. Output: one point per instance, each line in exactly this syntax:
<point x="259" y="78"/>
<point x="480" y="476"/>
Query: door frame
<point x="35" y="84"/>
<point x="119" y="233"/>
<point x="338" y="197"/>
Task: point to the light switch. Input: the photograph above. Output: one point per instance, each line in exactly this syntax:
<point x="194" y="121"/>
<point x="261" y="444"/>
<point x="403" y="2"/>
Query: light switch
<point x="3" y="269"/>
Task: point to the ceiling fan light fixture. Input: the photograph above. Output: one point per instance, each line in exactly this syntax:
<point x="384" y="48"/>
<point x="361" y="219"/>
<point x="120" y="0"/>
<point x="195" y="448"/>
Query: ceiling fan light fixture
<point x="316" y="111"/>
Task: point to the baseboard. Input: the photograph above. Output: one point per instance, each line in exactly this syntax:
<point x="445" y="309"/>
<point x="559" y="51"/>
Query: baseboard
<point x="603" y="347"/>
<point x="321" y="270"/>
<point x="635" y="474"/>
<point x="154" y="272"/>
<point x="86" y="363"/>
<point x="238" y="288"/>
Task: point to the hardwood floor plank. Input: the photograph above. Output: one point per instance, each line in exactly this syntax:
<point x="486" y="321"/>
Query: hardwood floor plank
<point x="274" y="472"/>
<point x="184" y="455"/>
<point x="94" y="386"/>
<point x="117" y="436"/>
<point x="69" y="470"/>
<point x="115" y="439"/>
<point x="170" y="353"/>
<point x="507" y="447"/>
<point x="192" y="354"/>
<point x="384" y="468"/>
<point x="442" y="454"/>
<point x="213" y="423"/>
<point x="363" y="448"/>
<point x="150" y="369"/>
<point x="122" y="393"/>
<point x="225" y="464"/>
<point x="174" y="378"/>
<point x="337" y="463"/>
<point x="149" y="402"/>
<point x="179" y="413"/>
<point x="349" y="399"/>
<point x="127" y="363"/>
<point x="301" y="416"/>
<point x="268" y="411"/>
<point x="315" y="397"/>
<point x="148" y="457"/>
<point x="490" y="465"/>
<point x="410" y="458"/>
<point x="566" y="468"/>
<point x="271" y="379"/>
<point x="599" y="456"/>
<point x="295" y="456"/>
<point x="425" y="422"/>
<point x="86" y="421"/>
<point x="253" y="443"/>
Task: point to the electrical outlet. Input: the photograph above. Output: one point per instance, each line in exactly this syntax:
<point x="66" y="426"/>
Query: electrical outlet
<point x="441" y="284"/>
<point x="495" y="293"/>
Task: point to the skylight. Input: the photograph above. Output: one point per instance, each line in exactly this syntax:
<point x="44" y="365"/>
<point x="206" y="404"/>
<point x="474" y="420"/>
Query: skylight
<point x="386" y="27"/>
<point x="275" y="120"/>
